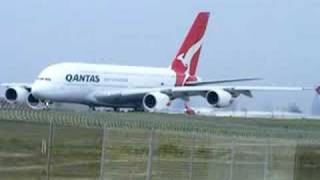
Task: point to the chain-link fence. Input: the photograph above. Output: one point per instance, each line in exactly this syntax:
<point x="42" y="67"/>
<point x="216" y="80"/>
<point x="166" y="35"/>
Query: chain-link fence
<point x="66" y="145"/>
<point x="147" y="154"/>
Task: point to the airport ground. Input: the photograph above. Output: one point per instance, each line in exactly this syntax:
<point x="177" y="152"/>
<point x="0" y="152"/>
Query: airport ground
<point x="208" y="147"/>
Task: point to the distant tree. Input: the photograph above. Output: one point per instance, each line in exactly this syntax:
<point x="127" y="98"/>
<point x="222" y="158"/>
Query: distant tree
<point x="316" y="105"/>
<point x="244" y="109"/>
<point x="268" y="107"/>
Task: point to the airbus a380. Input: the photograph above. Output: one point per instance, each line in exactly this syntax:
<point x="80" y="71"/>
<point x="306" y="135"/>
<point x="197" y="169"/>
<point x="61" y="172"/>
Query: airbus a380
<point x="148" y="88"/>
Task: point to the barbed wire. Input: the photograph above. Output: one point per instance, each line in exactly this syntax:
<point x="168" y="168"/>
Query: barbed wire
<point x="176" y="123"/>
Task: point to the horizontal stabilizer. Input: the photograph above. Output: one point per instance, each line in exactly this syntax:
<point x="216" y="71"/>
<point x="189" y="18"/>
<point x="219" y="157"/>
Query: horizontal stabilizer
<point x="221" y="81"/>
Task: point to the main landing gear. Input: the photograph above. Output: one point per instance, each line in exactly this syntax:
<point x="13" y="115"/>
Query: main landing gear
<point x="92" y="108"/>
<point x="188" y="109"/>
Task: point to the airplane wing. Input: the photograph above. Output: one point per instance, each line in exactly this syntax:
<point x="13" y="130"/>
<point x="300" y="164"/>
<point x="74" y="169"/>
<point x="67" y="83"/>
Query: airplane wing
<point x="234" y="90"/>
<point x="185" y="91"/>
<point x="24" y="85"/>
<point x="153" y="99"/>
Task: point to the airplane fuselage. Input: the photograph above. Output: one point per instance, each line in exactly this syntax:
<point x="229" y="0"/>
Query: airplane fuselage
<point x="80" y="82"/>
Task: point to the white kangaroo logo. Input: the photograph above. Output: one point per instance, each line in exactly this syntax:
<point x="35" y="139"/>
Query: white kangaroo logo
<point x="185" y="58"/>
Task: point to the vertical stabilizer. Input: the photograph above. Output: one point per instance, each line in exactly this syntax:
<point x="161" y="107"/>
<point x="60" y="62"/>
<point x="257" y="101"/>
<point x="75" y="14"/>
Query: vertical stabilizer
<point x="186" y="61"/>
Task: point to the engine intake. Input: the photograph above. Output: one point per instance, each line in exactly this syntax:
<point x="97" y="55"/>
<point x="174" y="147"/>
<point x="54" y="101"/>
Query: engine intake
<point x="16" y="95"/>
<point x="219" y="98"/>
<point x="32" y="101"/>
<point x="22" y="96"/>
<point x="155" y="101"/>
<point x="35" y="103"/>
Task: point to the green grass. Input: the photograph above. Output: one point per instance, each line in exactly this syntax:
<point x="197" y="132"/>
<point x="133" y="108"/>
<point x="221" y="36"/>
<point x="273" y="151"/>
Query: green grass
<point x="78" y="136"/>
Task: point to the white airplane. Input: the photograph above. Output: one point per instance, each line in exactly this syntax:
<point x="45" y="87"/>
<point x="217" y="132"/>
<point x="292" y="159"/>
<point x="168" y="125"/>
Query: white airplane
<point x="143" y="88"/>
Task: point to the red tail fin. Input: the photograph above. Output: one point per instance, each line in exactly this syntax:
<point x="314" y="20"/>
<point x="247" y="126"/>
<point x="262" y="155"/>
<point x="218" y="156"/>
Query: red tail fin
<point x="186" y="61"/>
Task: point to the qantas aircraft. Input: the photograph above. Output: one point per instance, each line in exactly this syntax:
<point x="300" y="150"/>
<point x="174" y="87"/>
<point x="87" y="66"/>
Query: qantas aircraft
<point x="143" y="88"/>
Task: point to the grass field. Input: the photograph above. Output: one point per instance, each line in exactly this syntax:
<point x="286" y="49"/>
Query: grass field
<point x="220" y="148"/>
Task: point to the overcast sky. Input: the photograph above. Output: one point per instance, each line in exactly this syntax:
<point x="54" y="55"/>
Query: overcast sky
<point x="277" y="40"/>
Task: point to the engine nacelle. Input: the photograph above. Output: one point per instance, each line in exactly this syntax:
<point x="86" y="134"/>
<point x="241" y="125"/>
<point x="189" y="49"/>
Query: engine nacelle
<point x="155" y="101"/>
<point x="35" y="103"/>
<point x="219" y="98"/>
<point x="16" y="95"/>
<point x="22" y="96"/>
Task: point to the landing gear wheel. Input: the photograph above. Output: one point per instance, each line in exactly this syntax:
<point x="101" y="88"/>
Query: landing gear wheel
<point x="138" y="109"/>
<point x="190" y="111"/>
<point x="92" y="108"/>
<point x="46" y="105"/>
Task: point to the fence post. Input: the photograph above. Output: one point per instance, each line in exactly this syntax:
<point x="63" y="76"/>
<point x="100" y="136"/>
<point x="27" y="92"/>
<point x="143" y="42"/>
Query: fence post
<point x="44" y="147"/>
<point x="232" y="160"/>
<point x="266" y="159"/>
<point x="150" y="157"/>
<point x="50" y="145"/>
<point x="102" y="160"/>
<point x="192" y="156"/>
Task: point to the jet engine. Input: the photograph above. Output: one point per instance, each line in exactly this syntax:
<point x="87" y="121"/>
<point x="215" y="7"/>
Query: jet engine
<point x="16" y="95"/>
<point x="219" y="98"/>
<point x="35" y="103"/>
<point x="155" y="101"/>
<point x="20" y="95"/>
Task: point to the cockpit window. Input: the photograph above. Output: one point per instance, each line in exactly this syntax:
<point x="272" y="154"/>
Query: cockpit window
<point x="44" y="79"/>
